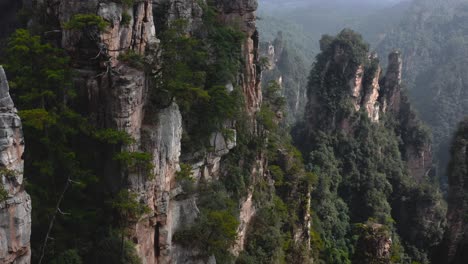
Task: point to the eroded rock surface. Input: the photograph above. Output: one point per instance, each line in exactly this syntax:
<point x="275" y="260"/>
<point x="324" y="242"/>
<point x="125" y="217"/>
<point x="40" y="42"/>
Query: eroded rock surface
<point x="241" y="13"/>
<point x="117" y="95"/>
<point x="374" y="245"/>
<point x="15" y="205"/>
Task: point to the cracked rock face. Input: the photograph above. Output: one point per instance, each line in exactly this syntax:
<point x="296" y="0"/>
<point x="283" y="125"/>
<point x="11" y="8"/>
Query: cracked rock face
<point x="15" y="210"/>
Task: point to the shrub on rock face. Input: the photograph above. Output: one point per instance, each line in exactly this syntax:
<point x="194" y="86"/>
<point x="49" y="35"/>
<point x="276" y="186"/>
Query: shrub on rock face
<point x="133" y="59"/>
<point x="136" y="162"/>
<point x="86" y="21"/>
<point x="126" y="3"/>
<point x="215" y="230"/>
<point x="110" y="251"/>
<point x="126" y="19"/>
<point x="68" y="257"/>
<point x="3" y="193"/>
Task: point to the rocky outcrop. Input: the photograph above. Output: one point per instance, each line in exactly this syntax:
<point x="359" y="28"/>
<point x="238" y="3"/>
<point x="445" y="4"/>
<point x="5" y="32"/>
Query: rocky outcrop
<point x="117" y="97"/>
<point x="351" y="104"/>
<point x="418" y="146"/>
<point x="247" y="212"/>
<point x="189" y="10"/>
<point x="374" y="244"/>
<point x="119" y="37"/>
<point x="269" y="54"/>
<point x="372" y="96"/>
<point x="272" y="51"/>
<point x="241" y="13"/>
<point x="15" y="203"/>
<point x="391" y="99"/>
<point x="356" y="87"/>
<point x="153" y="233"/>
<point x="378" y="96"/>
<point x="282" y="65"/>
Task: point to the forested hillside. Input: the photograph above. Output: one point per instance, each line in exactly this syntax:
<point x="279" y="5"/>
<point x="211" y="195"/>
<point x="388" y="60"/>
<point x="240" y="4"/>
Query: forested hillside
<point x="302" y="23"/>
<point x="362" y="139"/>
<point x="430" y="35"/>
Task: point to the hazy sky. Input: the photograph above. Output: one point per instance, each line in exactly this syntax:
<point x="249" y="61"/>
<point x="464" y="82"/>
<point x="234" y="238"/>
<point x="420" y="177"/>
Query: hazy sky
<point x="296" y="3"/>
<point x="325" y="1"/>
<point x="305" y="21"/>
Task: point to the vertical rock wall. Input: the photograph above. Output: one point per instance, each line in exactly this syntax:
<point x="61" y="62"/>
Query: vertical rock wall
<point x="15" y="207"/>
<point x="116" y="95"/>
<point x="418" y="157"/>
<point x="241" y="13"/>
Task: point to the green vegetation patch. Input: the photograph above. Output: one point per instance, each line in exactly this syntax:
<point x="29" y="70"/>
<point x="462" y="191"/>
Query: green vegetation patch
<point x="195" y="72"/>
<point x="85" y="21"/>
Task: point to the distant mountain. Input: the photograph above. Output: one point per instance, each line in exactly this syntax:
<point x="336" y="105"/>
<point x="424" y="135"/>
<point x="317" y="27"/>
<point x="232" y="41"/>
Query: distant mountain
<point x="324" y="3"/>
<point x="303" y="22"/>
<point x="433" y="38"/>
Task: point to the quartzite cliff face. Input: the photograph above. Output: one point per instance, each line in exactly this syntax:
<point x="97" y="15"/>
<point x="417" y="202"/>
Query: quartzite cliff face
<point x="15" y="206"/>
<point x="243" y="12"/>
<point x="117" y="97"/>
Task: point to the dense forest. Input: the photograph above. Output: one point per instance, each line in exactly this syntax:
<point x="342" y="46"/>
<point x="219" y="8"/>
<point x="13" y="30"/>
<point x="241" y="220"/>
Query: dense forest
<point x="233" y="132"/>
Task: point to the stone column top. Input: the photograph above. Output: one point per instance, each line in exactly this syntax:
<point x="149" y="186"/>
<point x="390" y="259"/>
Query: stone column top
<point x="5" y="99"/>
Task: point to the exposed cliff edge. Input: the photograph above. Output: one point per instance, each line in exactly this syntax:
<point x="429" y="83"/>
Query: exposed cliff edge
<point x="15" y="203"/>
<point x="243" y="12"/>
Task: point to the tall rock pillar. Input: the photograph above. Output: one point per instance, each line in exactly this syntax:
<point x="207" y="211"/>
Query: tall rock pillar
<point x="15" y="203"/>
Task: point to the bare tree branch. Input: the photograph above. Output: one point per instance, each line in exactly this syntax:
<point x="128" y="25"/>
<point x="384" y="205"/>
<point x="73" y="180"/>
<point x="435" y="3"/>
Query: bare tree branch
<point x="51" y="224"/>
